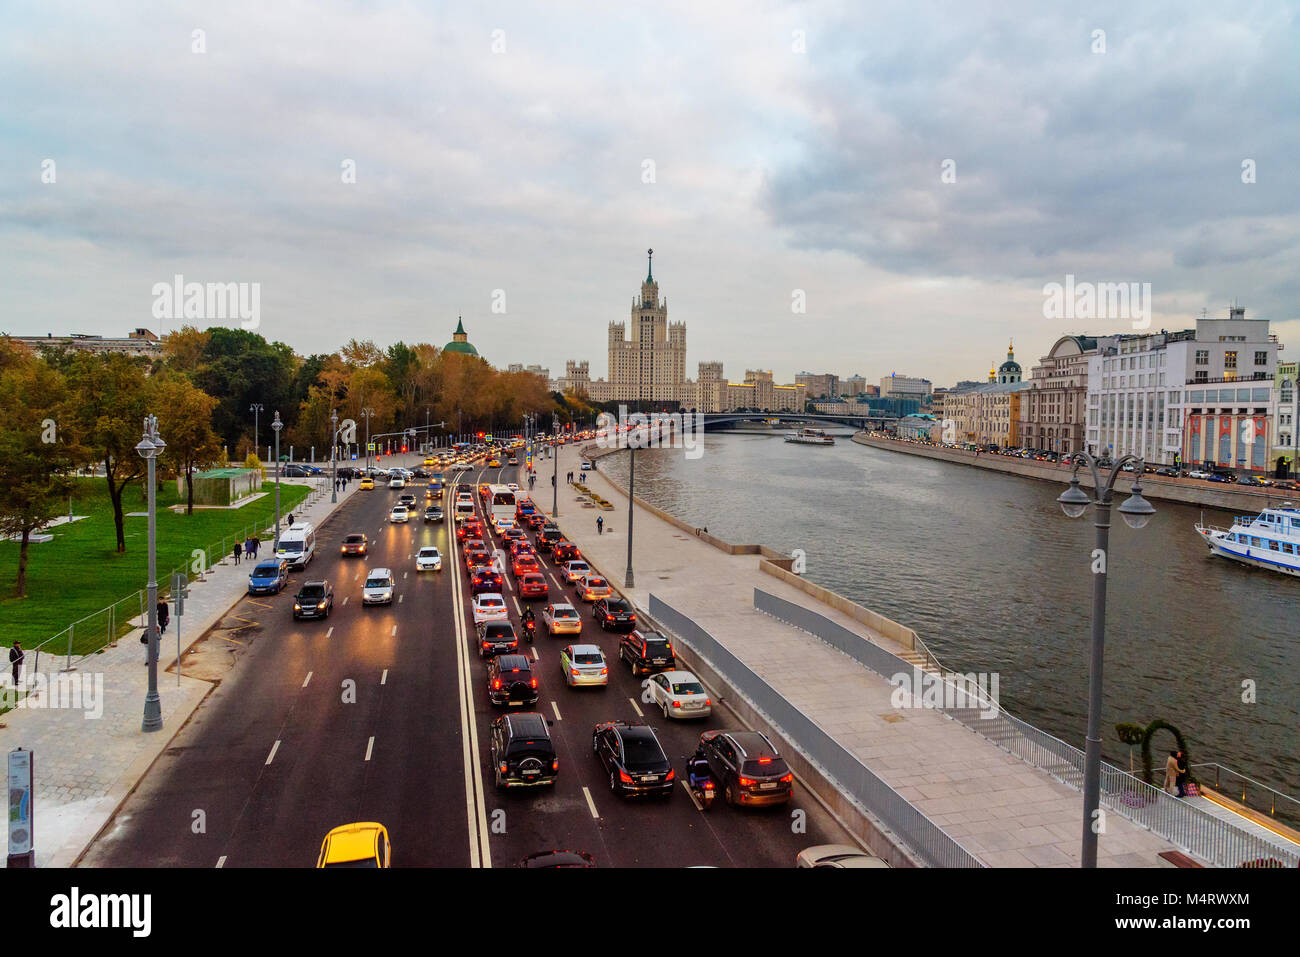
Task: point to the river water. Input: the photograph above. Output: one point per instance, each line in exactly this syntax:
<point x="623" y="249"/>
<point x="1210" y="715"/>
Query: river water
<point x="994" y="578"/>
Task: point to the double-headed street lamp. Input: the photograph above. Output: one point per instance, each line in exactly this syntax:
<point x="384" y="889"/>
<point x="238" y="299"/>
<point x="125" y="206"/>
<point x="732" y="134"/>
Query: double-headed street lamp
<point x="1136" y="512"/>
<point x="628" y="579"/>
<point x="150" y="447"/>
<point x="256" y="409"/>
<point x="334" y="457"/>
<point x="276" y="426"/>
<point x="555" y="478"/>
<point x="367" y="412"/>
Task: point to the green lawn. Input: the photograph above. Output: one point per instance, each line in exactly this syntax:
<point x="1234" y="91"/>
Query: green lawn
<point x="80" y="574"/>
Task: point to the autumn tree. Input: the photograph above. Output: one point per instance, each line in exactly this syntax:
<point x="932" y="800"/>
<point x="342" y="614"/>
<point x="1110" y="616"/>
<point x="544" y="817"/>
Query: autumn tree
<point x="185" y="422"/>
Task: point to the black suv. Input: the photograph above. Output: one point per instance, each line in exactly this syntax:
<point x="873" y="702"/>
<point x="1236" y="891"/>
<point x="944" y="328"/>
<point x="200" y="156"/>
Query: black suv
<point x="634" y="759"/>
<point x="614" y="613"/>
<point x="511" y="681"/>
<point x="314" y="600"/>
<point x="497" y="638"/>
<point x="522" y="752"/>
<point x="547" y="538"/>
<point x="746" y="767"/>
<point x="647" y="652"/>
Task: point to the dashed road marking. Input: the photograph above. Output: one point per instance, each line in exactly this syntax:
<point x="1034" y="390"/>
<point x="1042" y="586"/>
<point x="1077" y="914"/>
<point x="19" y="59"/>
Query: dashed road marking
<point x="400" y="597"/>
<point x="308" y="678"/>
<point x="345" y="599"/>
<point x="329" y="631"/>
<point x="556" y="708"/>
<point x="636" y="707"/>
<point x="518" y="609"/>
<point x="691" y="794"/>
<point x="370" y="746"/>
<point x="383" y="679"/>
<point x="536" y="656"/>
<point x="221" y="861"/>
<point x="394" y="629"/>
<point x="590" y="803"/>
<point x="274" y="748"/>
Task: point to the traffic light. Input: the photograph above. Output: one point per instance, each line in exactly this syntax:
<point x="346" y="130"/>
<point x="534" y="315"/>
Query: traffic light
<point x="481" y="434"/>
<point x="403" y="448"/>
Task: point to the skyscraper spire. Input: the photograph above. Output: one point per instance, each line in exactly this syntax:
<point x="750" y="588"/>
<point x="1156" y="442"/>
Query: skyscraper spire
<point x="650" y="272"/>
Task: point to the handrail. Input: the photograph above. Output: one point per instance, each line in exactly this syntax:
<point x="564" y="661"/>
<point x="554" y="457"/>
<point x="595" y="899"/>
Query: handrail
<point x="1273" y="791"/>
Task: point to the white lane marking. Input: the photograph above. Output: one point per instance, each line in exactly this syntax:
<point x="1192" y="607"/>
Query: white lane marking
<point x="404" y="574"/>
<point x="691" y="794"/>
<point x="536" y="656"/>
<point x="329" y="631"/>
<point x="590" y="803"/>
<point x="556" y="708"/>
<point x="475" y="808"/>
<point x="634" y="706"/>
<point x="221" y="861"/>
<point x="518" y="609"/>
<point x="394" y="629"/>
<point x="399" y="598"/>
<point x="554" y="579"/>
<point x="308" y="678"/>
<point x="274" y="748"/>
<point x="345" y="600"/>
<point x="383" y="679"/>
<point x="370" y="746"/>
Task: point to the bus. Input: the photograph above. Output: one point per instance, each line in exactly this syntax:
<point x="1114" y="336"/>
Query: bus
<point x="501" y="500"/>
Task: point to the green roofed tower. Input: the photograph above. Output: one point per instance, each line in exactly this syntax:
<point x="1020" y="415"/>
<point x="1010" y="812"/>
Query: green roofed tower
<point x="460" y="340"/>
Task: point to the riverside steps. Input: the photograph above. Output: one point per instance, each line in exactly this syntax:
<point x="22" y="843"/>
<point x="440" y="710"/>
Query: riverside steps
<point x="1188" y="491"/>
<point x="1001" y="809"/>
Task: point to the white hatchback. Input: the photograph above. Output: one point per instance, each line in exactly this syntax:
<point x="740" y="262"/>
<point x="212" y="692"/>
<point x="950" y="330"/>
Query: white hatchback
<point x="378" y="589"/>
<point x="490" y="606"/>
<point x="428" y="558"/>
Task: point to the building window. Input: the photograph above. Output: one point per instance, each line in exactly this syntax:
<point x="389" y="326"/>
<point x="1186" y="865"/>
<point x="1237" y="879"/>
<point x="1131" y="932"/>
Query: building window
<point x="1261" y="358"/>
<point x="1202" y="357"/>
<point x="1230" y="359"/>
<point x="1202" y="376"/>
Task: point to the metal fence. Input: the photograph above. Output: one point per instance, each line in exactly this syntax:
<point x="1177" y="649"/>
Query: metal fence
<point x="929" y="841"/>
<point x="1212" y="839"/>
<point x="129" y="613"/>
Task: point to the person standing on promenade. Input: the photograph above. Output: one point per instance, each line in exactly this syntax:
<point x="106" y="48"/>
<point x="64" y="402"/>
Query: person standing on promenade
<point x="236" y="553"/>
<point x="1182" y="774"/>
<point x="16" y="658"/>
<point x="1171" y="773"/>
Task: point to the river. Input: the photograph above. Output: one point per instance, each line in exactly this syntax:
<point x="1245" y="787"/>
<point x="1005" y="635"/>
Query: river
<point x="994" y="578"/>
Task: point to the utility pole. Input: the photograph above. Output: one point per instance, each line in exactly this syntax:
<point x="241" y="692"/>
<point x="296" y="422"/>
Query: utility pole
<point x="555" y="479"/>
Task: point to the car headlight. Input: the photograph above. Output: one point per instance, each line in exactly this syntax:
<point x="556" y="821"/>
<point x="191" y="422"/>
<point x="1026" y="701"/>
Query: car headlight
<point x="297" y="607"/>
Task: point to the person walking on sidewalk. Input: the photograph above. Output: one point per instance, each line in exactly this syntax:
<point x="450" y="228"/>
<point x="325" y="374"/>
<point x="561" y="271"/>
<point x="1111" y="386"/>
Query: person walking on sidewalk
<point x="257" y="543"/>
<point x="16" y="657"/>
<point x="238" y="549"/>
<point x="248" y="548"/>
<point x="1171" y="773"/>
<point x="164" y="616"/>
<point x="289" y="521"/>
<point x="600" y="525"/>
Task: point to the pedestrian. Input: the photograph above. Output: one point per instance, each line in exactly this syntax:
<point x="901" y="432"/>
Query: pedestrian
<point x="1171" y="773"/>
<point x="16" y="660"/>
<point x="237" y="551"/>
<point x="257" y="543"/>
<point x="600" y="525"/>
<point x="1182" y="774"/>
<point x="164" y="616"/>
<point x="289" y="520"/>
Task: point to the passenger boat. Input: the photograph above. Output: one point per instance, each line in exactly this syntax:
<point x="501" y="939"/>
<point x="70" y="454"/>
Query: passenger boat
<point x="1269" y="540"/>
<point x="809" y="437"/>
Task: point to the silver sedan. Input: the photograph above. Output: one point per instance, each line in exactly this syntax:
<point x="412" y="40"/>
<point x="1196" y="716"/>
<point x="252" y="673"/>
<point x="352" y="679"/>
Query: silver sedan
<point x="679" y="694"/>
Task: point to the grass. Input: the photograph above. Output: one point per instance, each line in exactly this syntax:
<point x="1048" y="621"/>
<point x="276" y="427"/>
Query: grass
<point x="80" y="574"/>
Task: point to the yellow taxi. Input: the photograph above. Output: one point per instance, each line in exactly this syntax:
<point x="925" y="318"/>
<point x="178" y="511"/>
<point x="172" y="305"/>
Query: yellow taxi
<point x="429" y="461"/>
<point x="356" y="845"/>
<point x="367" y="483"/>
<point x="494" y="463"/>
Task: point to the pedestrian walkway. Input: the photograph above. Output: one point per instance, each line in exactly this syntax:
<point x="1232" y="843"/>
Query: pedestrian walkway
<point x="85" y="766"/>
<point x="1004" y="811"/>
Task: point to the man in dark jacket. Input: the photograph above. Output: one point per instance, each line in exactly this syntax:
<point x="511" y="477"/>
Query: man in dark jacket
<point x="16" y="657"/>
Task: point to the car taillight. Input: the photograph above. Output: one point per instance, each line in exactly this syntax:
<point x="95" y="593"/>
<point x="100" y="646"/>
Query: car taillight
<point x="504" y="767"/>
<point x="708" y="701"/>
<point x="534" y="682"/>
<point x="496" y="684"/>
<point x="672" y="775"/>
<point x="746" y="782"/>
<point x="604" y="671"/>
<point x="764" y="760"/>
<point x="788" y="779"/>
<point x="677" y="704"/>
<point x="624" y="777"/>
<point x="708" y="785"/>
<point x="609" y="617"/>
<point x="631" y="617"/>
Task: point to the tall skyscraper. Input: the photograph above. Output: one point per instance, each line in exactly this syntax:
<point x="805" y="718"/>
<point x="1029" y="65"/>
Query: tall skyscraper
<point x="650" y="364"/>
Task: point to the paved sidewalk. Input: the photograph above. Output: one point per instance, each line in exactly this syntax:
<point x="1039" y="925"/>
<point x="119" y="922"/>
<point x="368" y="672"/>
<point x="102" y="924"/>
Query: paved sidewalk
<point x="1001" y="809"/>
<point x="85" y="767"/>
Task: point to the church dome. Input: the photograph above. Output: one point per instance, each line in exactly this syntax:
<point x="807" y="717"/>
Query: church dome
<point x="460" y="341"/>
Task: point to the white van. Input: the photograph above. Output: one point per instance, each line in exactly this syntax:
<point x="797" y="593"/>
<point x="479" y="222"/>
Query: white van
<point x="298" y="545"/>
<point x="464" y="509"/>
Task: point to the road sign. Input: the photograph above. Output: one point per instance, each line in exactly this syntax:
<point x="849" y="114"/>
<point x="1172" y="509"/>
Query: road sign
<point x="370" y="446"/>
<point x="488" y="436"/>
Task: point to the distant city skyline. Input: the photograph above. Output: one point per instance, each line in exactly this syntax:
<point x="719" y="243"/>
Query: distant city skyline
<point x="827" y="189"/>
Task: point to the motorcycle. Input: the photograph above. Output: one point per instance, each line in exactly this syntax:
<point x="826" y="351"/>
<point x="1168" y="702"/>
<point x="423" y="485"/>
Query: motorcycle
<point x="530" y="628"/>
<point x="700" y="780"/>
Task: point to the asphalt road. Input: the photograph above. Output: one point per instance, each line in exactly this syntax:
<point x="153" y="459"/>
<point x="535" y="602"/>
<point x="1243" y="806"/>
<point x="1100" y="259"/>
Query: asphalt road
<point x="382" y="714"/>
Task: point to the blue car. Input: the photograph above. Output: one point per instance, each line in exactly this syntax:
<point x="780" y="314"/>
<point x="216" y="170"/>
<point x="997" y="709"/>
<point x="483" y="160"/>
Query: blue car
<point x="269" y="577"/>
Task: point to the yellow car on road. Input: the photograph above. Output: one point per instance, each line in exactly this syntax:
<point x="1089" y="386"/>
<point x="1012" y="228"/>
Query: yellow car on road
<point x="356" y="845"/>
<point x="366" y="483"/>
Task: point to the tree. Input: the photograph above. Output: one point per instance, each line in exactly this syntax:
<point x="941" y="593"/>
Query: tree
<point x="240" y="368"/>
<point x="38" y="452"/>
<point x="111" y="391"/>
<point x="185" y="422"/>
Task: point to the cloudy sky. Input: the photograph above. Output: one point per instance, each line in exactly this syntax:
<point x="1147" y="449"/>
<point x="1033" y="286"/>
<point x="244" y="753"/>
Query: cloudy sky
<point x="767" y="151"/>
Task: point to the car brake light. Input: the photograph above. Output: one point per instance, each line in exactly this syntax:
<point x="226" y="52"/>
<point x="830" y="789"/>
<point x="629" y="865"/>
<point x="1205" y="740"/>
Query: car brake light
<point x="504" y="767"/>
<point x="708" y="701"/>
<point x="764" y="760"/>
<point x="631" y="617"/>
<point x="624" y="776"/>
<point x="496" y="684"/>
<point x="677" y="704"/>
<point x="534" y="682"/>
<point x="604" y="671"/>
<point x="555" y="765"/>
<point x="672" y="775"/>
<point x="787" y="779"/>
<point x="746" y="782"/>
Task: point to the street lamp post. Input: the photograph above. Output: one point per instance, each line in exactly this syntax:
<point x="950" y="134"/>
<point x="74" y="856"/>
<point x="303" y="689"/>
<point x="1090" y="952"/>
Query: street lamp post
<point x="150" y="447"/>
<point x="1136" y="512"/>
<point x="334" y="457"/>
<point x="628" y="579"/>
<point x="256" y="409"/>
<point x="276" y="426"/>
<point x="367" y="412"/>
<point x="555" y="454"/>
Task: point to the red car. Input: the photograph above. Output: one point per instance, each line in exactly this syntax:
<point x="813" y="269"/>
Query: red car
<point x="533" y="585"/>
<point x="526" y="564"/>
<point x="565" y="551"/>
